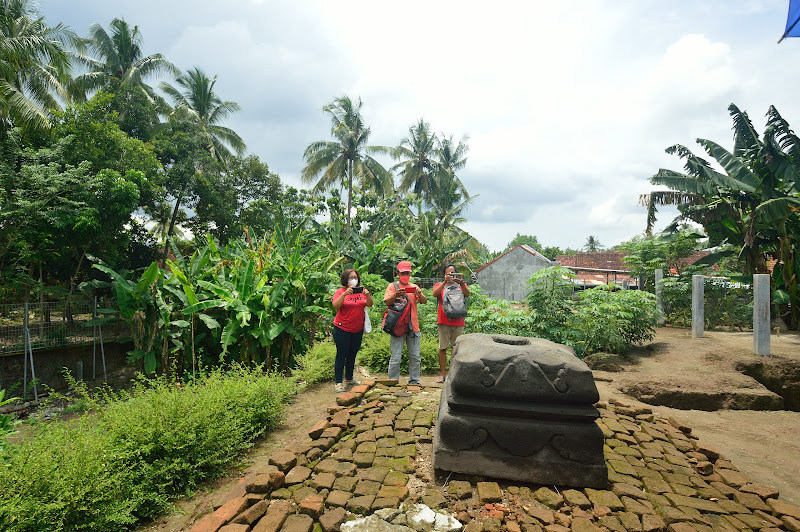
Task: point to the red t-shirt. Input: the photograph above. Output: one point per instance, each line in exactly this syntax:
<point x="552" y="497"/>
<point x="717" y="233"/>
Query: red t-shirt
<point x="444" y="319"/>
<point x="350" y="317"/>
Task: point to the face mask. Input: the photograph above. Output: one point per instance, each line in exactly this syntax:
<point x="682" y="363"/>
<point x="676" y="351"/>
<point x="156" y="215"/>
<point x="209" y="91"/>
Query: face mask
<point x="353" y="282"/>
<point x="405" y="278"/>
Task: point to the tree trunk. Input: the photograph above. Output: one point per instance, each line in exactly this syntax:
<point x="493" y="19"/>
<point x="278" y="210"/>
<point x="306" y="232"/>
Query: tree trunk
<point x="169" y="230"/>
<point x="349" y="196"/>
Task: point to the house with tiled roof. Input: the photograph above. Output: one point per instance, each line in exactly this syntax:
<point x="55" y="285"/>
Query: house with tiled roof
<point x="505" y="276"/>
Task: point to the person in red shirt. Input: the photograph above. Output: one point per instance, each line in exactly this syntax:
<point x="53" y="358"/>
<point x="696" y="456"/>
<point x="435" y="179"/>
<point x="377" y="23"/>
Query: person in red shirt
<point x="350" y="303"/>
<point x="449" y="329"/>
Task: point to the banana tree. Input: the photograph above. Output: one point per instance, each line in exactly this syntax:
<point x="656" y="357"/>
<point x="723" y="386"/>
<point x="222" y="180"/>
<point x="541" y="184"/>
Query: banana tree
<point x="138" y="305"/>
<point x="752" y="203"/>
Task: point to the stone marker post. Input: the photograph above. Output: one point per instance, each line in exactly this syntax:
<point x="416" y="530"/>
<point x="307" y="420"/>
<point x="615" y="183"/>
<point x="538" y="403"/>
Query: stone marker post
<point x="659" y="296"/>
<point x="761" y="316"/>
<point x="697" y="305"/>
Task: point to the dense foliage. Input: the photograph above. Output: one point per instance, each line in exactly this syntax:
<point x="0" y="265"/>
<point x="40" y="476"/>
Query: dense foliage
<point x="140" y="448"/>
<point x="726" y="303"/>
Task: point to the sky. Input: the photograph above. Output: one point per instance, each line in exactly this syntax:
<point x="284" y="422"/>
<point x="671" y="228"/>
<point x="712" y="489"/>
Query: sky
<point x="568" y="106"/>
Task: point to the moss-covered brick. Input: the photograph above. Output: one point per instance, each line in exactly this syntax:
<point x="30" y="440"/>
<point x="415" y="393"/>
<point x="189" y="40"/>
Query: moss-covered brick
<point x="395" y="478"/>
<point x="338" y="498"/>
<point x="345" y="483"/>
<point x="360" y="505"/>
<point x="604" y="498"/>
<point x="576" y="498"/>
<point x="548" y="497"/>
<point x="367" y="487"/>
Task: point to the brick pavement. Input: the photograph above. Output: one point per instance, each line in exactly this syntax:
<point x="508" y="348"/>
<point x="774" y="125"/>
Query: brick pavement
<point x="364" y="455"/>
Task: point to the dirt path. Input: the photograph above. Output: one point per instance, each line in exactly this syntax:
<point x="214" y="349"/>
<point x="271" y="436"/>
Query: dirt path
<point x="763" y="445"/>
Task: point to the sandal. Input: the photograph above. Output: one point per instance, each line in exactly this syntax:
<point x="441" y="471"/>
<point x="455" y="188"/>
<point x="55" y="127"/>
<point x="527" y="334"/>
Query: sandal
<point x="339" y="387"/>
<point x="440" y="379"/>
<point x="352" y="382"/>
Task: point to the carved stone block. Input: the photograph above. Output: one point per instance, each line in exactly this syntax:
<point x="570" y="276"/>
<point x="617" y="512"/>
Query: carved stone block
<point x="521" y="409"/>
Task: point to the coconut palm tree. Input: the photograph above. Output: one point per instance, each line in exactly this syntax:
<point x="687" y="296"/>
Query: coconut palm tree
<point x="593" y="244"/>
<point x="197" y="102"/>
<point x="418" y="166"/>
<point x="34" y="65"/>
<point x="451" y="157"/>
<point x="119" y="60"/>
<point x="346" y="158"/>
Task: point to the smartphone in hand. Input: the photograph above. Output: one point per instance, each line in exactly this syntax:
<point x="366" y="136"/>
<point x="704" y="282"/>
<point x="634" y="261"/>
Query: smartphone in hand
<point x="358" y="289"/>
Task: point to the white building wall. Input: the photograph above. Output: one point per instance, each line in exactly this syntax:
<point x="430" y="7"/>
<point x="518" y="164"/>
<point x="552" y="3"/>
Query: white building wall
<point x="505" y="278"/>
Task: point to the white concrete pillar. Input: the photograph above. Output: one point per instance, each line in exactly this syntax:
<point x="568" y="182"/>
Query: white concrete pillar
<point x="659" y="296"/>
<point x="761" y="317"/>
<point x="697" y="306"/>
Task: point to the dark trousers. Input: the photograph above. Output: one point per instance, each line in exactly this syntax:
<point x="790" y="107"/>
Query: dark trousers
<point x="347" y="346"/>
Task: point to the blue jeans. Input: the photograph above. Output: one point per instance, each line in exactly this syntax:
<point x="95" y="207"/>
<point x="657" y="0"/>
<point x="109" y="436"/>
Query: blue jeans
<point x="412" y="340"/>
<point x="347" y="346"/>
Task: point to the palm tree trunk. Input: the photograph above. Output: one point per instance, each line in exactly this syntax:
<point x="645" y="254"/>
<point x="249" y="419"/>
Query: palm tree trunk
<point x="169" y="230"/>
<point x="349" y="195"/>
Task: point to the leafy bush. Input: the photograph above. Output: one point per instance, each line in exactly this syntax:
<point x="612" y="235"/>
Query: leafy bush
<point x="316" y="365"/>
<point x="612" y="320"/>
<point x="726" y="303"/>
<point x="7" y="421"/>
<point x="375" y="352"/>
<point x="108" y="470"/>
<point x="496" y="316"/>
<point x="551" y="304"/>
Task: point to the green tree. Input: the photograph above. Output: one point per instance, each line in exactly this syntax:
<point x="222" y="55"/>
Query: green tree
<point x="418" y="168"/>
<point x="34" y="65"/>
<point x="197" y="103"/>
<point x="89" y="132"/>
<point x="118" y="56"/>
<point x="528" y="240"/>
<point x="187" y="160"/>
<point x="644" y="254"/>
<point x="592" y="244"/>
<point x="347" y="157"/>
<point x="224" y="197"/>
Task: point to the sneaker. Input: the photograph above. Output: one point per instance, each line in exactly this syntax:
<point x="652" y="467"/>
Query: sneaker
<point x="339" y="387"/>
<point x="413" y="383"/>
<point x="352" y="382"/>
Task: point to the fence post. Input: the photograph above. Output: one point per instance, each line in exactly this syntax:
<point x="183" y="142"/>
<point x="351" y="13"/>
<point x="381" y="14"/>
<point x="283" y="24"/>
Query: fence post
<point x="659" y="296"/>
<point x="697" y="306"/>
<point x="761" y="317"/>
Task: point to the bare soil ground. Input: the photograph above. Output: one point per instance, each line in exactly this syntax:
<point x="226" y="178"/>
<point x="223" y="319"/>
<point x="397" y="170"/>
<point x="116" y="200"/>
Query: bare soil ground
<point x="764" y="445"/>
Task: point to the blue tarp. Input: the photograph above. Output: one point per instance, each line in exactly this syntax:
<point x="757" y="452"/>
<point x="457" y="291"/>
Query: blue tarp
<point x="792" y="26"/>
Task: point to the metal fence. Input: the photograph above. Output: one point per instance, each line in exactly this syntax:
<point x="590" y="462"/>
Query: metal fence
<point x="52" y="324"/>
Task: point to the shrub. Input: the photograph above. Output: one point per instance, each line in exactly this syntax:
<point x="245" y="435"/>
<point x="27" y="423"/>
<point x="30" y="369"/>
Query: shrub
<point x="316" y="365"/>
<point x="108" y="470"/>
<point x="611" y="321"/>
<point x="551" y="304"/>
<point x="496" y="316"/>
<point x="7" y="422"/>
<point x="375" y="353"/>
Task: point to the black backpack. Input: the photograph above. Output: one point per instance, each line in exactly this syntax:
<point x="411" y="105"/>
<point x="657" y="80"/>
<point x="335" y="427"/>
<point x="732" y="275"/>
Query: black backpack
<point x="397" y="317"/>
<point x="453" y="302"/>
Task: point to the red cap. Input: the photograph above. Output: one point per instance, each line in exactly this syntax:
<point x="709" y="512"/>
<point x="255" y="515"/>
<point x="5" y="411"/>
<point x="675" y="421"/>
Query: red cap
<point x="403" y="266"/>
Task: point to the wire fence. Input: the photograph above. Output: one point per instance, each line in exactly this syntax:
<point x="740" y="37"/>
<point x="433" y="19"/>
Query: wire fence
<point x="52" y="324"/>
